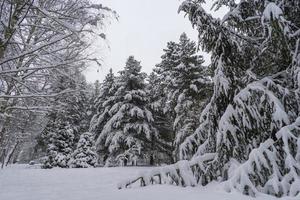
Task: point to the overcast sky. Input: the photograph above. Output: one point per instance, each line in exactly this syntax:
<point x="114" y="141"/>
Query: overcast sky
<point x="143" y="30"/>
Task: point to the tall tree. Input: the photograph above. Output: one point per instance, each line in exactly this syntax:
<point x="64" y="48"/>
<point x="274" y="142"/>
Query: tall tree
<point x="253" y="51"/>
<point x="187" y="86"/>
<point x="67" y="123"/>
<point x="130" y="129"/>
<point x="103" y="104"/>
<point x="162" y="120"/>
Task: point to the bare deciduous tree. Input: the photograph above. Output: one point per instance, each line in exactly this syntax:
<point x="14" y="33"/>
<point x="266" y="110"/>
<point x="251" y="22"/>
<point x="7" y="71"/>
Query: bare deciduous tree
<point x="40" y="40"/>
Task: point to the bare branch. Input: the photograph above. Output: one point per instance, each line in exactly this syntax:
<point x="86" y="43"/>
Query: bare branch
<point x="37" y="95"/>
<point x="35" y="49"/>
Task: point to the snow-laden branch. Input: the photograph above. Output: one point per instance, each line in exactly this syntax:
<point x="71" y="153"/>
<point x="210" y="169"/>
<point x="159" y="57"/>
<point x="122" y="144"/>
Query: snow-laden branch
<point x="31" y="108"/>
<point x="181" y="173"/>
<point x="37" y="95"/>
<point x="263" y="167"/>
<point x="62" y="64"/>
<point x="31" y="51"/>
<point x="65" y="24"/>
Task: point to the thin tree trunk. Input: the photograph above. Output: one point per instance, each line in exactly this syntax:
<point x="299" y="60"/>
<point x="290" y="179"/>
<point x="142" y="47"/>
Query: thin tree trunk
<point x="3" y="158"/>
<point x="11" y="153"/>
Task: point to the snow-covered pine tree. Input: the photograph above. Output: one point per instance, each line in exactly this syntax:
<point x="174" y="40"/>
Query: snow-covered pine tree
<point x="104" y="102"/>
<point x="130" y="130"/>
<point x="60" y="145"/>
<point x="95" y="92"/>
<point x="163" y="72"/>
<point x="185" y="81"/>
<point x="264" y="45"/>
<point x="69" y="119"/>
<point x="84" y="155"/>
<point x="249" y="132"/>
<point x="162" y="120"/>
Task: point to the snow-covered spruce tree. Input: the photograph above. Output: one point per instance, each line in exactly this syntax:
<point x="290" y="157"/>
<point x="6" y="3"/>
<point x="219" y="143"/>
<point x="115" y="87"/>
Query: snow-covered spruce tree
<point x="249" y="132"/>
<point x="104" y="102"/>
<point x="267" y="103"/>
<point x="84" y="155"/>
<point x="129" y="131"/>
<point x="68" y="121"/>
<point x="60" y="146"/>
<point x="162" y="120"/>
<point x="94" y="94"/>
<point x="187" y="87"/>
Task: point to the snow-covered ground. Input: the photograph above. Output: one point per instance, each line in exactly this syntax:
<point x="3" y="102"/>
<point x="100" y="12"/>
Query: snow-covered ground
<point x="24" y="182"/>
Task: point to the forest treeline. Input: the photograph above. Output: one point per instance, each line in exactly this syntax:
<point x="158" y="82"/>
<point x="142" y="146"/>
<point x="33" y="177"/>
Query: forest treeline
<point x="131" y="118"/>
<point x="235" y="120"/>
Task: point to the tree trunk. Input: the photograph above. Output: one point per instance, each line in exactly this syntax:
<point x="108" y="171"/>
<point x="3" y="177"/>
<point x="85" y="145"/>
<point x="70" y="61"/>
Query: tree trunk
<point x="11" y="153"/>
<point x="3" y="158"/>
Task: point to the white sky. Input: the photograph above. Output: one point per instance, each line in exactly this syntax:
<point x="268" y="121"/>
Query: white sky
<point x="143" y="30"/>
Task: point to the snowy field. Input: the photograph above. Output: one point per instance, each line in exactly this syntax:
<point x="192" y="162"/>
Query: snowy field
<point x="23" y="182"/>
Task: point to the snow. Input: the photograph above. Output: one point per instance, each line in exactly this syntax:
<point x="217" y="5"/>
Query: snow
<point x="24" y="182"/>
<point x="272" y="11"/>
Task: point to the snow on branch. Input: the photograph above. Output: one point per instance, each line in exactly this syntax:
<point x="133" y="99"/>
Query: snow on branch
<point x="36" y="109"/>
<point x="37" y="95"/>
<point x="37" y="48"/>
<point x="273" y="167"/>
<point x="62" y="64"/>
<point x="272" y="11"/>
<point x="182" y="173"/>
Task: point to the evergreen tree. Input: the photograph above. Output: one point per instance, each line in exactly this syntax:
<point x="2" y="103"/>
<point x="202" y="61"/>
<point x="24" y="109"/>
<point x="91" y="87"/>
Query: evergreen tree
<point x="162" y="120"/>
<point x="252" y="67"/>
<point x="97" y="86"/>
<point x="70" y="118"/>
<point x="60" y="146"/>
<point x="129" y="131"/>
<point x="187" y="85"/>
<point x="84" y="155"/>
<point x="103" y="103"/>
